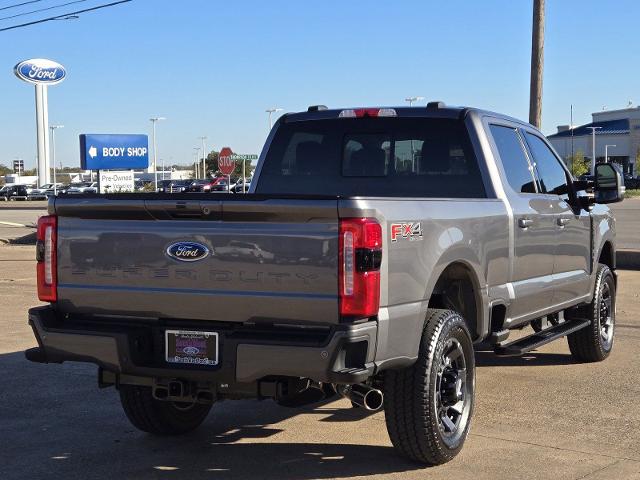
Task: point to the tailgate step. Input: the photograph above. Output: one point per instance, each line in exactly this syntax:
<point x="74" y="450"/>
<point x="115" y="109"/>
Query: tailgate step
<point x="531" y="342"/>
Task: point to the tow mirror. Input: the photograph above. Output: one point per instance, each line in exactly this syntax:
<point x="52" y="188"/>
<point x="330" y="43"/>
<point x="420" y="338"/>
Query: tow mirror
<point x="609" y="187"/>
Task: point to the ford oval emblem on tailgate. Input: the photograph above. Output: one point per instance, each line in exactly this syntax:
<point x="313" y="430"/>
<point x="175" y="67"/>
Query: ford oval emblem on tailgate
<point x="187" y="251"/>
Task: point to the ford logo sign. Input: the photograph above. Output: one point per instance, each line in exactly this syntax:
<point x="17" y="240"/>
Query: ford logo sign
<point x="187" y="251"/>
<point x="190" y="350"/>
<point x="40" y="70"/>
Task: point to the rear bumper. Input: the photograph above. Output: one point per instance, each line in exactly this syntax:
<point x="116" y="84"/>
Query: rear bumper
<point x="342" y="354"/>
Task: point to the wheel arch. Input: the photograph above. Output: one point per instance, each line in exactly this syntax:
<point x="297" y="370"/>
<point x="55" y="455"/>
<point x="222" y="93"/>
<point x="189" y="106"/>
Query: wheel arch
<point x="607" y="255"/>
<point x="458" y="287"/>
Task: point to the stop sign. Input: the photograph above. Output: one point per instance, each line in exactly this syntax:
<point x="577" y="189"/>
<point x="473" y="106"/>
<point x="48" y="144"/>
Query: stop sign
<point x="225" y="163"/>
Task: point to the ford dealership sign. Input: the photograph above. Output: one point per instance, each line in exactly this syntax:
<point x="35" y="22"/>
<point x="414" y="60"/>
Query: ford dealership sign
<point x="40" y="70"/>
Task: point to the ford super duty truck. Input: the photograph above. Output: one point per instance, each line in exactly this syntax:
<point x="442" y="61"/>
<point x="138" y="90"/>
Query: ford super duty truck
<point x="375" y="248"/>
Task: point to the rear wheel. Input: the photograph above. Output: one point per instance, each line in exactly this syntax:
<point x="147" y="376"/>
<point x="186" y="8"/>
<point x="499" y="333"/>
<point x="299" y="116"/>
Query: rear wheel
<point x="160" y="417"/>
<point x="595" y="342"/>
<point x="428" y="406"/>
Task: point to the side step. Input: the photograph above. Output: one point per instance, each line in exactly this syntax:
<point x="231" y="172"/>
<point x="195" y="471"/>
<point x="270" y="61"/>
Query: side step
<point x="531" y="342"/>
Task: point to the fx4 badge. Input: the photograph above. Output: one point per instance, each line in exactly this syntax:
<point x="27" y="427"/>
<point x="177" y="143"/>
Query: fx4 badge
<point x="410" y="230"/>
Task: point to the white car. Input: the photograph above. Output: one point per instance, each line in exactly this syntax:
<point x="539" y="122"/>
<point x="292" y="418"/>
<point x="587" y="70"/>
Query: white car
<point x="44" y="190"/>
<point x="84" y="187"/>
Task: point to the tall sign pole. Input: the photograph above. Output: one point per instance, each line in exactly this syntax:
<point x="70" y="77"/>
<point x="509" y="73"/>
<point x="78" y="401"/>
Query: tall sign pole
<point x="42" y="133"/>
<point x="41" y="73"/>
<point x="537" y="63"/>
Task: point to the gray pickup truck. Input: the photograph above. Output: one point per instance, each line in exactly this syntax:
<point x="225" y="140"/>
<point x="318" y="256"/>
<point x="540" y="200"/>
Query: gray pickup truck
<point x="375" y="249"/>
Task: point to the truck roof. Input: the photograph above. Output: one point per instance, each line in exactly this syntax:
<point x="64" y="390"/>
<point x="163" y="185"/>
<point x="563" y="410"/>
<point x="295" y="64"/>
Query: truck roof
<point x="431" y="110"/>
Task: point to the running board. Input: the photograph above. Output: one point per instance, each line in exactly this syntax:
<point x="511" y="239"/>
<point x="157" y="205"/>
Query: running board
<point x="531" y="342"/>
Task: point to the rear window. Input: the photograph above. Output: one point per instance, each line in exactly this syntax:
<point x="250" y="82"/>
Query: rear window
<point x="372" y="157"/>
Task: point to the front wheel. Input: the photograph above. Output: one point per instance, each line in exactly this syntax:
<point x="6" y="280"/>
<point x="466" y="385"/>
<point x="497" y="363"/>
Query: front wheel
<point x="160" y="417"/>
<point x="428" y="406"/>
<point x="595" y="342"/>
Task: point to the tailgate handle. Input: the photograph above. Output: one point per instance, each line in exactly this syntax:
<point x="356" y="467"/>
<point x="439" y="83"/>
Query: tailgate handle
<point x="174" y="209"/>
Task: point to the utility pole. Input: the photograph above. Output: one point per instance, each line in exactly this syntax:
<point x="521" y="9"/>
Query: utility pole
<point x="537" y="62"/>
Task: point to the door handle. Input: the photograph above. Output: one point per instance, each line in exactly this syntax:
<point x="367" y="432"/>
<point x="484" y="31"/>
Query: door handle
<point x="563" y="221"/>
<point x="525" y="222"/>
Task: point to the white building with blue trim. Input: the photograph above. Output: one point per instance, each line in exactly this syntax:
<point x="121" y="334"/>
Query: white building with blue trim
<point x="619" y="129"/>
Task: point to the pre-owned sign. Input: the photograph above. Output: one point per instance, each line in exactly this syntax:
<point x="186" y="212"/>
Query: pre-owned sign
<point x="115" y="181"/>
<point x="105" y="152"/>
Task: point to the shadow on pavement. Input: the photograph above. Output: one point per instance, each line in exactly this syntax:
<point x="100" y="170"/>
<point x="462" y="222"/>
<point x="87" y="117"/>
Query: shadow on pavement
<point x="56" y="423"/>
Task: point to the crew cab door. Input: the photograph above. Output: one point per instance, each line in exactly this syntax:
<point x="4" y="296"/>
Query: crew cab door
<point x="572" y="258"/>
<point x="533" y="227"/>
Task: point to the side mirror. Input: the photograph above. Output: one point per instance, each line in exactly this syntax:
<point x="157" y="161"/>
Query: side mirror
<point x="609" y="187"/>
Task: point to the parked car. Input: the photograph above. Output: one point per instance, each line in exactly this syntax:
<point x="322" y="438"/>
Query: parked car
<point x="14" y="192"/>
<point x="238" y="186"/>
<point x="631" y="182"/>
<point x="412" y="234"/>
<point x="173" y="186"/>
<point x="83" y="187"/>
<point x="220" y="184"/>
<point x="200" y="185"/>
<point x="45" y="190"/>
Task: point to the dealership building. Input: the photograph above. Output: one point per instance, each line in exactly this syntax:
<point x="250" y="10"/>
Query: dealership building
<point x="618" y="133"/>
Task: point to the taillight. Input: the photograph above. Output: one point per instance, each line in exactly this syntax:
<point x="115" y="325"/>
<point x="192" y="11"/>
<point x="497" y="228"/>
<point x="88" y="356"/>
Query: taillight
<point x="46" y="256"/>
<point x="367" y="112"/>
<point x="360" y="255"/>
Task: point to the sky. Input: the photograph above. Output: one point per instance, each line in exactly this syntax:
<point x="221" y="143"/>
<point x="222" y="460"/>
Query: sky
<point x="212" y="67"/>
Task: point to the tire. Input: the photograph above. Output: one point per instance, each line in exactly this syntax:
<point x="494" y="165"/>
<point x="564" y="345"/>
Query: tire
<point x="419" y="397"/>
<point x="160" y="417"/>
<point x="595" y="342"/>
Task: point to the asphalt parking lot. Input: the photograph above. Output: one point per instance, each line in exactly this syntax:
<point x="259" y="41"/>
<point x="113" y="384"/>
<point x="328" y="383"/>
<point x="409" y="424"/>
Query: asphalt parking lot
<point x="537" y="417"/>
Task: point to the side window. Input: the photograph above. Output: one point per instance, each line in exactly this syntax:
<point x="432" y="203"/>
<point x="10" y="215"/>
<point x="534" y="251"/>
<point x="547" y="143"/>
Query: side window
<point x="514" y="159"/>
<point x="553" y="178"/>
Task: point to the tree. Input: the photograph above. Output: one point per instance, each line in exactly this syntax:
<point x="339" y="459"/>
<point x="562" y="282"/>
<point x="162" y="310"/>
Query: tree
<point x="211" y="162"/>
<point x="578" y="165"/>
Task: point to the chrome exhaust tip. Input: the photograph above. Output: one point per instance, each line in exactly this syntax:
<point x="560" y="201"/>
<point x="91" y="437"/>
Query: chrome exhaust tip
<point x="363" y="395"/>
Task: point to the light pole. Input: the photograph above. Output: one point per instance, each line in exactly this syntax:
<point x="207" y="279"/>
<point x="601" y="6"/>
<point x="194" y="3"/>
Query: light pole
<point x="155" y="120"/>
<point x="204" y="157"/>
<point x="53" y="155"/>
<point x="20" y="168"/>
<point x="196" y="150"/>
<point x="413" y="157"/>
<point x="270" y="111"/>
<point x="413" y="99"/>
<point x="606" y="153"/>
<point x="593" y="149"/>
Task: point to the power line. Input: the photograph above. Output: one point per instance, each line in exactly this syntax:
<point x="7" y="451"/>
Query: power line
<point x="41" y="10"/>
<point x="64" y="15"/>
<point x="20" y="4"/>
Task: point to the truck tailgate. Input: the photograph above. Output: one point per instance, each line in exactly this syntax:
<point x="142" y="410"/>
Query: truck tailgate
<point x="270" y="259"/>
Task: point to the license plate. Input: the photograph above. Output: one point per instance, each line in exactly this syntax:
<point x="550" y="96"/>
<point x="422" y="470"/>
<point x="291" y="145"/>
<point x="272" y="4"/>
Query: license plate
<point x="191" y="347"/>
